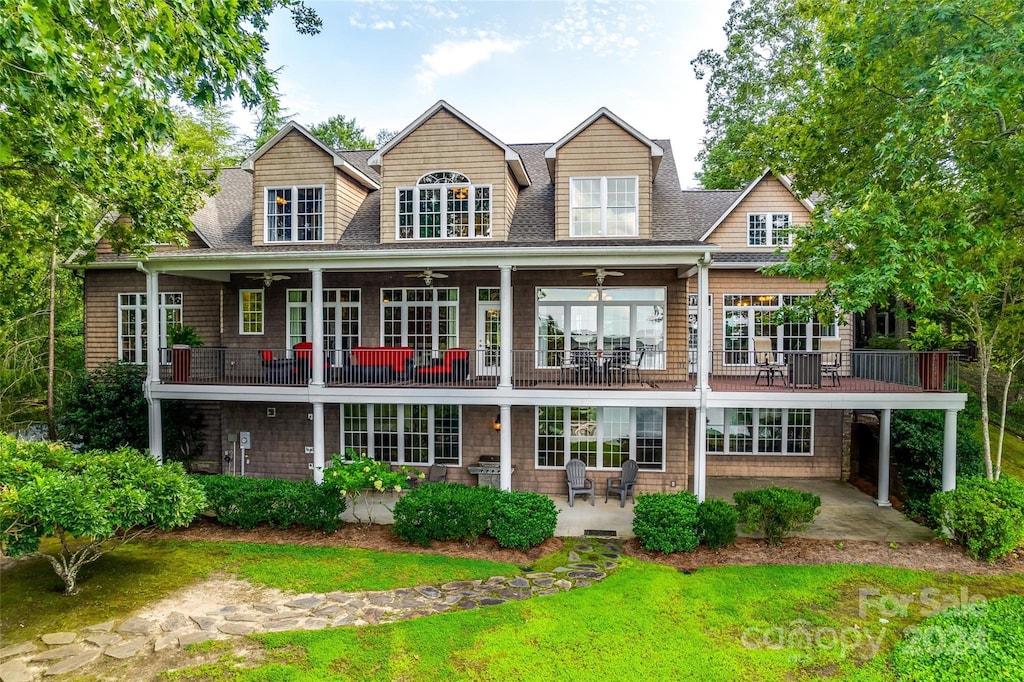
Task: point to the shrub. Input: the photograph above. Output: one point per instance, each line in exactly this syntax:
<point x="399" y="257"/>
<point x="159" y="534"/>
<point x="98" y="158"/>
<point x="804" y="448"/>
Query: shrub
<point x="360" y="478"/>
<point x="775" y="512"/>
<point x="985" y="517"/>
<point x="980" y="641"/>
<point x="92" y="502"/>
<point x="917" y="452"/>
<point x="666" y="522"/>
<point x="443" y="511"/>
<point x="248" y="502"/>
<point x="106" y="409"/>
<point x="522" y="519"/>
<point x="717" y="521"/>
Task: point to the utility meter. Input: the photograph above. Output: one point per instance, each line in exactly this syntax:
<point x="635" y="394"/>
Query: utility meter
<point x="245" y="440"/>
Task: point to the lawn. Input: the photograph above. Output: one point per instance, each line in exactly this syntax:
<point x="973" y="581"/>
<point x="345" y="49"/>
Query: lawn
<point x="644" y="622"/>
<point x="1013" y="453"/>
<point x="144" y="571"/>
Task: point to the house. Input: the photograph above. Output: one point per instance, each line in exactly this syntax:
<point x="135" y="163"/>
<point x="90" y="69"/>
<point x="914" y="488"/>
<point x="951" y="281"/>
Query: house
<point x="451" y="298"/>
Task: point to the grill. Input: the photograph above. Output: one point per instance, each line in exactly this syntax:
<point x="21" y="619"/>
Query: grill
<point x="488" y="471"/>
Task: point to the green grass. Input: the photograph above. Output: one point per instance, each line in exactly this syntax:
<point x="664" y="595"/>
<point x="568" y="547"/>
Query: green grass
<point x="646" y="621"/>
<point x="1013" y="453"/>
<point x="141" y="572"/>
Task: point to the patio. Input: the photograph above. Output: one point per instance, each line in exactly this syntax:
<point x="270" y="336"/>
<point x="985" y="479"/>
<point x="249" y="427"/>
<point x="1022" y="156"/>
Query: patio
<point x="846" y="512"/>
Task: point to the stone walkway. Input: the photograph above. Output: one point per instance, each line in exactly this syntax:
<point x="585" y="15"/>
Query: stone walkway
<point x="59" y="653"/>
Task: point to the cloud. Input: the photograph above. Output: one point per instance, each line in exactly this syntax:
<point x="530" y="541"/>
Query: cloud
<point x="601" y="27"/>
<point x="383" y="25"/>
<point x="454" y="57"/>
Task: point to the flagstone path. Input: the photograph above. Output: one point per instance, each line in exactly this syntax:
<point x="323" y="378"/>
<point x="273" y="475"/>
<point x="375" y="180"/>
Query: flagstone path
<point x="60" y="653"/>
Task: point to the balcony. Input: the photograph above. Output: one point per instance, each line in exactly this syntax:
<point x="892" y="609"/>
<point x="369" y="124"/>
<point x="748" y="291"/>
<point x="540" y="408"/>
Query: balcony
<point x="858" y="371"/>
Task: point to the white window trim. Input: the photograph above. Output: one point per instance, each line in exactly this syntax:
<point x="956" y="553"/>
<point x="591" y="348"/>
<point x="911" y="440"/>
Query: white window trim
<point x="755" y="439"/>
<point x="598" y="435"/>
<point x="295" y="228"/>
<point x="769" y="241"/>
<point x="308" y="306"/>
<point x="400" y="417"/>
<point x="659" y="362"/>
<point x="405" y="303"/>
<point x="415" y="189"/>
<point x="604" y="205"/>
<point x="241" y="311"/>
<point x="142" y="310"/>
<point x="750" y="309"/>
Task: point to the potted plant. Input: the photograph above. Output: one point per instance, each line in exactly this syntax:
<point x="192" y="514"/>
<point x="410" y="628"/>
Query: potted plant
<point x="182" y="339"/>
<point x="932" y="346"/>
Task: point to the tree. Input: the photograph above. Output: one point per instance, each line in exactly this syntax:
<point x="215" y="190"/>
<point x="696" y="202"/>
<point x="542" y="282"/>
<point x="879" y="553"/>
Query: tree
<point x="915" y="148"/>
<point x="339" y="132"/>
<point x="384" y="136"/>
<point x="757" y="76"/>
<point x="92" y="502"/>
<point x="106" y="409"/>
<point x="207" y="132"/>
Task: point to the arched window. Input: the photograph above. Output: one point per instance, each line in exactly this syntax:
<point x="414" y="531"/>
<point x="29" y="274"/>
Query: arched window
<point x="444" y="205"/>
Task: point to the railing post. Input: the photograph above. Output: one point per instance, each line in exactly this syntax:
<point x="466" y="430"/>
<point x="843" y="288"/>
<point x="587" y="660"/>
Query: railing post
<point x="317" y="332"/>
<point x="505" y="322"/>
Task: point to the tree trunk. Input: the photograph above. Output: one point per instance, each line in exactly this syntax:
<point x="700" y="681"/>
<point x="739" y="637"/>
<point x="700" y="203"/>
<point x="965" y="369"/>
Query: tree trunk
<point x="984" y="367"/>
<point x="1002" y="424"/>
<point x="51" y="424"/>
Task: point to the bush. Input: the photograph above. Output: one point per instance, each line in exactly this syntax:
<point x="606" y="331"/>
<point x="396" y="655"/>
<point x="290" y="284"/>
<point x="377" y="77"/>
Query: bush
<point x="980" y="641"/>
<point x="92" y="502"/>
<point x="775" y="512"/>
<point x="443" y="511"/>
<point x="717" y="521"/>
<point x="523" y="519"/>
<point x="666" y="522"/>
<point x="106" y="409"/>
<point x="985" y="517"/>
<point x="361" y="479"/>
<point x="248" y="502"/>
<point x="917" y="452"/>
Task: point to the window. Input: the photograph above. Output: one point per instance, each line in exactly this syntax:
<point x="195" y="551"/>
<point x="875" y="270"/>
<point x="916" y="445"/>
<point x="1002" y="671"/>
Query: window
<point x="750" y="315"/>
<point x="341" y="319"/>
<point x="444" y="205"/>
<point x="424" y="318"/>
<point x="294" y="214"/>
<point x="603" y="437"/>
<point x="759" y="431"/>
<point x="403" y="434"/>
<point x="630" y="319"/>
<point x="603" y="207"/>
<point x="250" y="311"/>
<point x="132" y="328"/>
<point x="769" y="229"/>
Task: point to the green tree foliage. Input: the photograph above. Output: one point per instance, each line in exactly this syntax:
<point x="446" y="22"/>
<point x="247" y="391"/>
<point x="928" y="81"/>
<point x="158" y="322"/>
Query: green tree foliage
<point x="339" y="132"/>
<point x="105" y="409"/>
<point x="92" y="502"/>
<point x="208" y="133"/>
<point x="756" y="77"/>
<point x="914" y="146"/>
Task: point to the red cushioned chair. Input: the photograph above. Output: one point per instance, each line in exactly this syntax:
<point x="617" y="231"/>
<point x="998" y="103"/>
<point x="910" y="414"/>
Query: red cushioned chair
<point x="454" y="366"/>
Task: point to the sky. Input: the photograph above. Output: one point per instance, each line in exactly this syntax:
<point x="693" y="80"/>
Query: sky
<point x="524" y="71"/>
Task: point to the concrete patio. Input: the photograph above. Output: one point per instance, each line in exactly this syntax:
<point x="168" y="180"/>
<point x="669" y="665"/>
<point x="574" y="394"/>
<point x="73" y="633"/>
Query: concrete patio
<point x="846" y="512"/>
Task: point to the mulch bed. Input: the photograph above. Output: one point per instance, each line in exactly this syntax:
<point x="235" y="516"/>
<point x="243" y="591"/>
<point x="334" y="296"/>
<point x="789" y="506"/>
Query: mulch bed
<point x="934" y="555"/>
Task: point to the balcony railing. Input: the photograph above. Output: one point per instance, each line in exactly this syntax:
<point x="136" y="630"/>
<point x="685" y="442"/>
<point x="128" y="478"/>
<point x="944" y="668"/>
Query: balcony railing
<point x="858" y="371"/>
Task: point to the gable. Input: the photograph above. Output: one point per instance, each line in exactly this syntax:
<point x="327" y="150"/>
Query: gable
<point x="768" y="194"/>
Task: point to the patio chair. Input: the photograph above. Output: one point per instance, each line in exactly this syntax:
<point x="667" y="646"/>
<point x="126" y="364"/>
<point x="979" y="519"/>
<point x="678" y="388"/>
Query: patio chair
<point x="831" y="359"/>
<point x="579" y="366"/>
<point x="768" y="364"/>
<point x="622" y="364"/>
<point x="623" y="485"/>
<point x="576" y="479"/>
<point x="437" y="474"/>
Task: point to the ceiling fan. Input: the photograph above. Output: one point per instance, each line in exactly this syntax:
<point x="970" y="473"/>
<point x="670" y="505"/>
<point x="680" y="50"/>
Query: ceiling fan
<point x="269" y="278"/>
<point x="600" y="273"/>
<point x="428" y="275"/>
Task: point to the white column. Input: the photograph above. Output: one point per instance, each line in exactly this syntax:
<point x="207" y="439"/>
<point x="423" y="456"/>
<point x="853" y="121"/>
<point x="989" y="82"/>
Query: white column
<point x="153" y="324"/>
<point x="884" y="432"/>
<point x="318" y="443"/>
<point x="703" y="324"/>
<point x="949" y="452"/>
<point x="700" y="451"/>
<point x="505" y="322"/>
<point x="505" y="437"/>
<point x="317" y="331"/>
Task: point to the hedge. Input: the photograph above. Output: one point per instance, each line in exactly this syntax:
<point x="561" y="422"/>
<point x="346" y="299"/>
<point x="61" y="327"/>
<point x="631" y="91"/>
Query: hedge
<point x="775" y="512"/>
<point x="667" y="522"/>
<point x="523" y="519"/>
<point x="985" y="517"/>
<point x="249" y="502"/>
<point x="717" y="521"/>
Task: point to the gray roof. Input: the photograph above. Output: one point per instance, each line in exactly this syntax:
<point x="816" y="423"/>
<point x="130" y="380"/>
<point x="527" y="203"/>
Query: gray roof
<point x="677" y="218"/>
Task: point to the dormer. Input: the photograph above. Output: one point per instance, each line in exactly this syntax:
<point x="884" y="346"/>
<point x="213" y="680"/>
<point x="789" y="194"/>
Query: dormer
<point x="303" y="191"/>
<point x="603" y="171"/>
<point x="762" y="217"/>
<point x="445" y="178"/>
